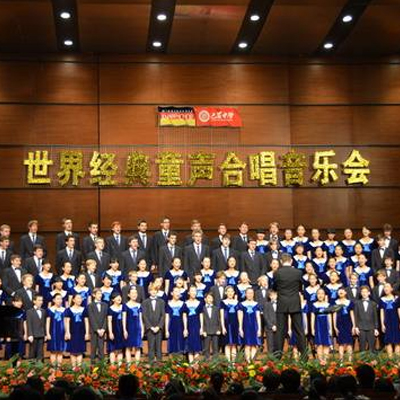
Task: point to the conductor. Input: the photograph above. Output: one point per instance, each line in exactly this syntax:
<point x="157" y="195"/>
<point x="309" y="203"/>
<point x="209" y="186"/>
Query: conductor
<point x="288" y="284"/>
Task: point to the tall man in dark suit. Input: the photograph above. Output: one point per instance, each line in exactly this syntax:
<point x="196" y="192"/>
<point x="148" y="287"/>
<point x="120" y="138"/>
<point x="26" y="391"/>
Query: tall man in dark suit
<point x="288" y="284"/>
<point x="239" y="242"/>
<point x="36" y="328"/>
<point x="12" y="277"/>
<point x="70" y="254"/>
<point x="88" y="241"/>
<point x="217" y="241"/>
<point x="194" y="226"/>
<point x="97" y="315"/>
<point x="153" y="312"/>
<point x="167" y="253"/>
<point x="366" y="320"/>
<point x="62" y="236"/>
<point x="102" y="258"/>
<point x="194" y="255"/>
<point x="132" y="256"/>
<point x="117" y="243"/>
<point x="28" y="241"/>
<point x="160" y="238"/>
<point x="221" y="255"/>
<point x="252" y="262"/>
<point x="5" y="253"/>
<point x="146" y="243"/>
<point x="379" y="254"/>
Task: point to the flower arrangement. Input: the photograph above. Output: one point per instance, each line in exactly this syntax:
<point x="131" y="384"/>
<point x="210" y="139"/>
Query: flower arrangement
<point x="195" y="377"/>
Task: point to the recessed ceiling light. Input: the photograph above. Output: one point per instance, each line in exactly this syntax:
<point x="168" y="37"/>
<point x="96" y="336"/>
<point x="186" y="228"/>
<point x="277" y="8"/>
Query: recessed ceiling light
<point x="161" y="17"/>
<point x="157" y="44"/>
<point x="328" y="45"/>
<point x="347" y="18"/>
<point x="254" y="17"/>
<point x="242" y="45"/>
<point x="65" y="15"/>
<point x="68" y="42"/>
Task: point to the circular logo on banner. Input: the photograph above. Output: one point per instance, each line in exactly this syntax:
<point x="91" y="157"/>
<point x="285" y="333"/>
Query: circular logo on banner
<point x="204" y="116"/>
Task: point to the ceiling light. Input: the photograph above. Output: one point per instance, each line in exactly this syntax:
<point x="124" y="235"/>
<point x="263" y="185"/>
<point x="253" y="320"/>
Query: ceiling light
<point x="242" y="45"/>
<point x="347" y="18"/>
<point x="65" y="15"/>
<point x="254" y="17"/>
<point x="161" y="17"/>
<point x="68" y="42"/>
<point x="328" y="45"/>
<point x="157" y="44"/>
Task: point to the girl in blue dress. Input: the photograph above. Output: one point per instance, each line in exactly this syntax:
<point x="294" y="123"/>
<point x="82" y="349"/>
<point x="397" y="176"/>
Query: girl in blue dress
<point x="82" y="289"/>
<point x="243" y="286"/>
<point x="331" y="268"/>
<point x="300" y="259"/>
<point x="43" y="281"/>
<point x="274" y="265"/>
<point x="330" y="243"/>
<point x="321" y="326"/>
<point x="314" y="243"/>
<point x="343" y="325"/>
<point x="320" y="262"/>
<point x="230" y="323"/>
<point x="309" y="270"/>
<point x="231" y="273"/>
<point x="107" y="290"/>
<point x="115" y="341"/>
<point x="200" y="287"/>
<point x="249" y="317"/>
<point x="174" y="325"/>
<point x="368" y="244"/>
<point x="207" y="273"/>
<point x="365" y="274"/>
<point x="116" y="275"/>
<point x="76" y="330"/>
<point x="332" y="288"/>
<point x="348" y="243"/>
<point x="144" y="277"/>
<point x="301" y="237"/>
<point x="389" y="315"/>
<point x="173" y="274"/>
<point x="310" y="292"/>
<point x="132" y="322"/>
<point x="342" y="263"/>
<point x="67" y="277"/>
<point x="192" y="310"/>
<point x="288" y="244"/>
<point x="58" y="286"/>
<point x="261" y="243"/>
<point x="55" y="330"/>
<point x="358" y="249"/>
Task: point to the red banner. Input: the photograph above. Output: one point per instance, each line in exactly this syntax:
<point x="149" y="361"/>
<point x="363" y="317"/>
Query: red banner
<point x="217" y="116"/>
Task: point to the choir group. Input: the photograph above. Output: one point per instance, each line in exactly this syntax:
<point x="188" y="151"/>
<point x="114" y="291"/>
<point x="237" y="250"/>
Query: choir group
<point x="202" y="296"/>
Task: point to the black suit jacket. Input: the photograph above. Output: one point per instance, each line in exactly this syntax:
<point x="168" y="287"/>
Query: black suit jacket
<point x="115" y="250"/>
<point x="103" y="264"/>
<point x="214" y="290"/>
<point x="165" y="258"/>
<point x="153" y="318"/>
<point x="97" y="281"/>
<point x="128" y="263"/>
<point x="269" y="315"/>
<point x="27" y="303"/>
<point x="366" y="320"/>
<point x="192" y="262"/>
<point x="189" y="240"/>
<point x="76" y="261"/>
<point x="350" y="294"/>
<point x="62" y="237"/>
<point x="375" y="294"/>
<point x="7" y="261"/>
<point x="377" y="262"/>
<point x="36" y="326"/>
<point x="97" y="320"/>
<point x="26" y="245"/>
<point x="255" y="267"/>
<point x="127" y="288"/>
<point x="31" y="266"/>
<point x="87" y="246"/>
<point x="288" y="283"/>
<point x="10" y="281"/>
<point x="239" y="244"/>
<point x="158" y="241"/>
<point x="148" y="249"/>
<point x="219" y="262"/>
<point x="215" y="243"/>
<point x="394" y="278"/>
<point x="260" y="298"/>
<point x="269" y="258"/>
<point x="211" y="325"/>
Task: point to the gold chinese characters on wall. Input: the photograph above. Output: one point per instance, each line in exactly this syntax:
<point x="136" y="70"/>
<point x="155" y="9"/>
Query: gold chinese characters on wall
<point x="242" y="167"/>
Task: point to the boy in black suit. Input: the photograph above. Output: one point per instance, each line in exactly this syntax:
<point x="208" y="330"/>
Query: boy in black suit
<point x="5" y="231"/>
<point x="239" y="242"/>
<point x="160" y="238"/>
<point x="210" y="326"/>
<point x="392" y="276"/>
<point x="29" y="240"/>
<point x="217" y="241"/>
<point x="5" y="253"/>
<point x="145" y="243"/>
<point x="117" y="243"/>
<point x="167" y="253"/>
<point x="12" y="277"/>
<point x="69" y="254"/>
<point x="194" y="255"/>
<point x="88" y="241"/>
<point x="36" y="328"/>
<point x="153" y="311"/>
<point x="366" y="323"/>
<point x="377" y="291"/>
<point x="97" y="315"/>
<point x="269" y="315"/>
<point x="353" y="290"/>
<point x="34" y="264"/>
<point x="252" y="262"/>
<point x="221" y="255"/>
<point x="101" y="257"/>
<point x="379" y="254"/>
<point x="61" y="237"/>
<point x="26" y="292"/>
